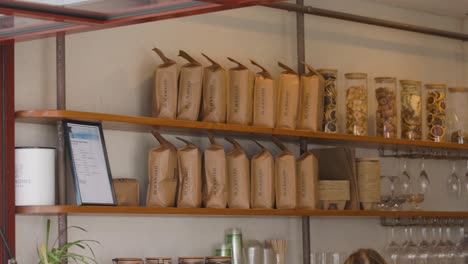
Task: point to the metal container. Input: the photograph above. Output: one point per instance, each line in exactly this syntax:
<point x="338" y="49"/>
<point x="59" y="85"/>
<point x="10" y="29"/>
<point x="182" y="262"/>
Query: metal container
<point x="224" y="250"/>
<point x="234" y="237"/>
<point x="253" y="252"/>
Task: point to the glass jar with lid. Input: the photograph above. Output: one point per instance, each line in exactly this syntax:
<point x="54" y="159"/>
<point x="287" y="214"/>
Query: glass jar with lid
<point x="191" y="260"/>
<point x="411" y="110"/>
<point x="356" y="104"/>
<point x="218" y="260"/>
<point x="127" y="261"/>
<point x="386" y="112"/>
<point x="436" y="111"/>
<point x="457" y="114"/>
<point x="330" y="97"/>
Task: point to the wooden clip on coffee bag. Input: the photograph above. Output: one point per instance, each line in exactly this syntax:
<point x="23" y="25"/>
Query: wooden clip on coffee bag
<point x="190" y="88"/>
<point x="214" y="175"/>
<point x="263" y="179"/>
<point x="190" y="181"/>
<point x="240" y="95"/>
<point x="165" y="88"/>
<point x="162" y="174"/>
<point x="307" y="182"/>
<point x="127" y="192"/>
<point x="285" y="175"/>
<point x="214" y="93"/>
<point x="288" y="98"/>
<point x="264" y="98"/>
<point x="238" y="172"/>
<point x="311" y="104"/>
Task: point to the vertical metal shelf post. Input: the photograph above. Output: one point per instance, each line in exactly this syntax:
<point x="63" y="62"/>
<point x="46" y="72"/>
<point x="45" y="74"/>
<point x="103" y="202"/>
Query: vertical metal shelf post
<point x="300" y="42"/>
<point x="61" y="152"/>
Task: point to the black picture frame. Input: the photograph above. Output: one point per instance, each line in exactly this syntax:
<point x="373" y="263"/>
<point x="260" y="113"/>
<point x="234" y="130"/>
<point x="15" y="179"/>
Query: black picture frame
<point x="70" y="138"/>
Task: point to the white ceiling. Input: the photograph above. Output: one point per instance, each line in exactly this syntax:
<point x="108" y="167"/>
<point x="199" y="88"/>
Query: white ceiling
<point x="452" y="8"/>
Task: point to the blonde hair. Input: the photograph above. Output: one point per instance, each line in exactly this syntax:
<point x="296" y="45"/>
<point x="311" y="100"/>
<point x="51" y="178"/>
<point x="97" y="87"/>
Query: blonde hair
<point x="365" y="256"/>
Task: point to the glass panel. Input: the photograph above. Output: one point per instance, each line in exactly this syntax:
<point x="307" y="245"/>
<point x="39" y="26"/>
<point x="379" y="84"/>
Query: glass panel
<point x="11" y="25"/>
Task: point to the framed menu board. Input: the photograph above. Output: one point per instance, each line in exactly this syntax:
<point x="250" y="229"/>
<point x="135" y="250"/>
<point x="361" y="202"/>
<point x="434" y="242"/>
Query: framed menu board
<point x="89" y="163"/>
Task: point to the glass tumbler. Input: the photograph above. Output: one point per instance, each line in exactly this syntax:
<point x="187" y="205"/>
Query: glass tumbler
<point x="356" y="104"/>
<point x="330" y="97"/>
<point x="386" y="112"/>
<point x="411" y="110"/>
<point x="436" y="114"/>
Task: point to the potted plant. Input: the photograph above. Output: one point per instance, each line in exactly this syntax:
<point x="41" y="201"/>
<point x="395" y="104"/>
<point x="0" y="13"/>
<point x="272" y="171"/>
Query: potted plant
<point x="50" y="254"/>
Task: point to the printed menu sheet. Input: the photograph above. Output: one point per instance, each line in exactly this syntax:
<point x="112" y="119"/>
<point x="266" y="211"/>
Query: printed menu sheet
<point x="92" y="176"/>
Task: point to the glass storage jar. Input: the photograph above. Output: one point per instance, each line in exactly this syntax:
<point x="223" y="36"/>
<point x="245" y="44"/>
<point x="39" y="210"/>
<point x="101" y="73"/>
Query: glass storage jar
<point x="218" y="260"/>
<point x="356" y="104"/>
<point x="330" y="97"/>
<point x="191" y="260"/>
<point x="457" y="118"/>
<point x="436" y="111"/>
<point x="411" y="110"/>
<point x="386" y="113"/>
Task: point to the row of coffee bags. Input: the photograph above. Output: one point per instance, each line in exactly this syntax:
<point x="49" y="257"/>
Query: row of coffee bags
<point x="238" y="96"/>
<point x="218" y="179"/>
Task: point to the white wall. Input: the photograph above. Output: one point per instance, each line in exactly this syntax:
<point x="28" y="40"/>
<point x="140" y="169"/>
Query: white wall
<point x="111" y="71"/>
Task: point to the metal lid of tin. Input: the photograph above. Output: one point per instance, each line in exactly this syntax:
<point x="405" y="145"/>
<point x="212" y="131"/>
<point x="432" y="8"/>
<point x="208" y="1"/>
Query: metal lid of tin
<point x="356" y="75"/>
<point x="127" y="259"/>
<point x="385" y="79"/>
<point x="327" y="71"/>
<point x="437" y="86"/>
<point x="35" y="148"/>
<point x="368" y="159"/>
<point x="191" y="259"/>
<point x="410" y="82"/>
<point x="218" y="258"/>
<point x="458" y="89"/>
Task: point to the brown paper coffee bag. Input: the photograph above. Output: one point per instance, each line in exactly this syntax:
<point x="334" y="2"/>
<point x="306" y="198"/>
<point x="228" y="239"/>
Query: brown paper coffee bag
<point x="285" y="175"/>
<point x="264" y="98"/>
<point x="165" y="88"/>
<point x="263" y="179"/>
<point x="190" y="88"/>
<point x="214" y="93"/>
<point x="127" y="192"/>
<point x="240" y="95"/>
<point x="311" y="105"/>
<point x="238" y="172"/>
<point x="214" y="175"/>
<point x="288" y="98"/>
<point x="162" y="174"/>
<point x="190" y="180"/>
<point x="307" y="182"/>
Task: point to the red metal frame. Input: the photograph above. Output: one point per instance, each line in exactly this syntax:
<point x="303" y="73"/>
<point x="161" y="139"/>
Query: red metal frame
<point x="7" y="138"/>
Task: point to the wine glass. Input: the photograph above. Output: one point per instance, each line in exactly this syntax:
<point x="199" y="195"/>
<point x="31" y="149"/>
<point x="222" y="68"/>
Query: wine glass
<point x="424" y="244"/>
<point x="385" y="195"/>
<point x="405" y="179"/>
<point x="423" y="182"/>
<point x="410" y="250"/>
<point x="454" y="183"/>
<point x="465" y="185"/>
<point x="393" y="249"/>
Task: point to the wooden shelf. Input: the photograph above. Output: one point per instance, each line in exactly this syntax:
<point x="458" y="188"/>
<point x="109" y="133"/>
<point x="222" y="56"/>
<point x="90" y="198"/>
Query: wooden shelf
<point x="145" y="124"/>
<point x="70" y="209"/>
